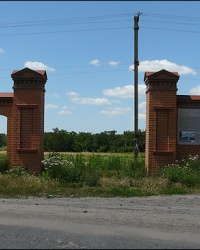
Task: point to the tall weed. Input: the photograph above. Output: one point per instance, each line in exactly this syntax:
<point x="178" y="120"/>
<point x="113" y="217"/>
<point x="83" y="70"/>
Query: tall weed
<point x="71" y="170"/>
<point x="186" y="172"/>
<point x="4" y="163"/>
<point x="135" y="168"/>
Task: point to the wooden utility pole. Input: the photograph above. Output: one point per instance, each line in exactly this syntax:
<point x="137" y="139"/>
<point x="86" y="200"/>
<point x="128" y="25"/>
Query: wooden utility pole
<point x="136" y="64"/>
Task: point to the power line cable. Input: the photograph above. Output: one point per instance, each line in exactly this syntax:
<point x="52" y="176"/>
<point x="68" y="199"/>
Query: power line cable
<point x="74" y="23"/>
<point x="195" y="24"/>
<point x="65" y="31"/>
<point x="96" y="29"/>
<point x="171" y="16"/>
<point x="177" y="30"/>
<point x="68" y="20"/>
<point x="91" y="19"/>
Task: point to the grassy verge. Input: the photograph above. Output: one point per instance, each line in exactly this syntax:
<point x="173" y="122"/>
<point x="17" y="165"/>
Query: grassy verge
<point x="100" y="175"/>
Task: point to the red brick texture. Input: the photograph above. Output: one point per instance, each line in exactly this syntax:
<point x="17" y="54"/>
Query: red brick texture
<point x="161" y="119"/>
<point x="25" y="119"/>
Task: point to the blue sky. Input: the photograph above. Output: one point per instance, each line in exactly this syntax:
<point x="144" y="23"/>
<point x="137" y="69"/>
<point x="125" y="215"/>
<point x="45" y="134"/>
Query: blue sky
<point x="87" y="50"/>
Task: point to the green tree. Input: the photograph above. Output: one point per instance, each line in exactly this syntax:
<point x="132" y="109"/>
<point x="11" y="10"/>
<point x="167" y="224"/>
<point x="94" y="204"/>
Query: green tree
<point x="3" y="140"/>
<point x="107" y="141"/>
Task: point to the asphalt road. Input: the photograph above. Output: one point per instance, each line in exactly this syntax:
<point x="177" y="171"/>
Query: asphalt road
<point x="157" y="222"/>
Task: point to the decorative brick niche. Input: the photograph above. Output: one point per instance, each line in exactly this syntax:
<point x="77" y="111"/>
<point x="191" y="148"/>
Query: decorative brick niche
<point x="24" y="109"/>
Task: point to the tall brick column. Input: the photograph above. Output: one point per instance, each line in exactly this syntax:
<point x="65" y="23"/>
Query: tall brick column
<point x="28" y="119"/>
<point x="161" y="118"/>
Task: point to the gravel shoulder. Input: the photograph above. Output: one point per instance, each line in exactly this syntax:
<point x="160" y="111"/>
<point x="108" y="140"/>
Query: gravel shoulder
<point x="165" y="218"/>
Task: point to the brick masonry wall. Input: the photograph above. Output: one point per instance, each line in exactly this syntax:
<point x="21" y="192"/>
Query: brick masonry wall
<point x="28" y="121"/>
<point x="161" y="125"/>
<point x="24" y="110"/>
<point x="183" y="151"/>
<point x="162" y="105"/>
<point x="161" y="119"/>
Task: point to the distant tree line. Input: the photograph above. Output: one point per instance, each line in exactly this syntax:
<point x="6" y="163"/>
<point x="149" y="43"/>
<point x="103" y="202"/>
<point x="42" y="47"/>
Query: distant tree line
<point x="107" y="141"/>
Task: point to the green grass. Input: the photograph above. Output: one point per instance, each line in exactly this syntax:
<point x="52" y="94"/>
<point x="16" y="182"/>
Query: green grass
<point x="100" y="175"/>
<point x="3" y="149"/>
<point x="4" y="163"/>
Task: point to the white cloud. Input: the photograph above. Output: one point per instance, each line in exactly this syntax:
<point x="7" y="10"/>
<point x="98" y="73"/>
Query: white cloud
<point x="90" y="101"/>
<point x="125" y="92"/>
<point x="121" y="92"/>
<point x="95" y="62"/>
<point x="141" y="116"/>
<point x="141" y="90"/>
<point x="142" y="105"/>
<point x="195" y="91"/>
<point x="38" y="66"/>
<point x="113" y="63"/>
<point x="2" y="51"/>
<point x="51" y="106"/>
<point x="64" y="112"/>
<point x="157" y="65"/>
<point x="116" y="111"/>
<point x="72" y="94"/>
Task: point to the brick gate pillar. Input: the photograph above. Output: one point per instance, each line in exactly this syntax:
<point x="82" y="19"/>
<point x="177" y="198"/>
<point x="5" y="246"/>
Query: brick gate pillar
<point x="161" y="118"/>
<point x="28" y="119"/>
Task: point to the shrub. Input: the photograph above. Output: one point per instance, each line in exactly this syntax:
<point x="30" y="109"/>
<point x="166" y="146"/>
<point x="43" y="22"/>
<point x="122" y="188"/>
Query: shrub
<point x="186" y="172"/>
<point x="71" y="170"/>
<point x="17" y="171"/>
<point x="95" y="161"/>
<point x="53" y="165"/>
<point x="4" y="163"/>
<point x="136" y="168"/>
<point x="114" y="163"/>
<point x="193" y="163"/>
